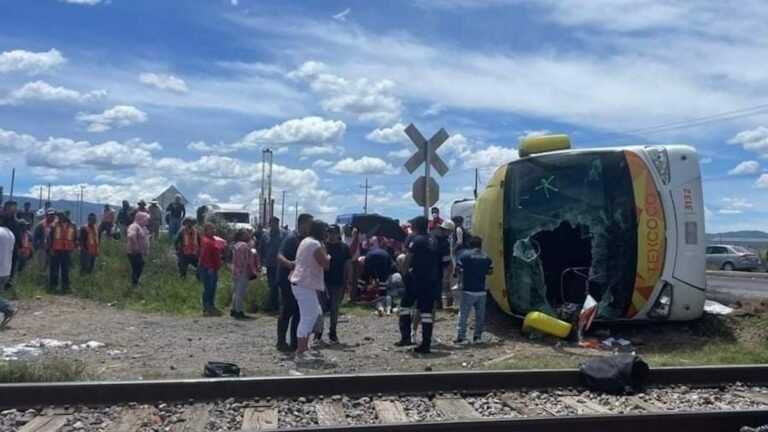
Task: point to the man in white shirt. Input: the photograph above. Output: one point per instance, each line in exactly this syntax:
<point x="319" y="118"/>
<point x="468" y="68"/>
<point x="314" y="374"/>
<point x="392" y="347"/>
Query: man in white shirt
<point x="7" y="241"/>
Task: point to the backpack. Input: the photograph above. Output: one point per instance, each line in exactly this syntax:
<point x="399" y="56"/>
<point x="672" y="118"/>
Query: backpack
<point x="221" y="370"/>
<point x="621" y="374"/>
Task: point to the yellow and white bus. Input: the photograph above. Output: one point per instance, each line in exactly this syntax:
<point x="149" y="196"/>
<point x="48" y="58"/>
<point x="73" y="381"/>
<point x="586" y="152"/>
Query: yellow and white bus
<point x="623" y="224"/>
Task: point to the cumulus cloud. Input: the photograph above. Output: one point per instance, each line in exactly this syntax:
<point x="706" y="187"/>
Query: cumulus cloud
<point x="401" y="154"/>
<point x="738" y="203"/>
<point x="371" y="100"/>
<point x="490" y="157"/>
<point x="729" y="211"/>
<point x="366" y="165"/>
<point x="200" y="146"/>
<point x="745" y="168"/>
<point x="164" y="82"/>
<point x="30" y="62"/>
<point x="118" y="116"/>
<point x="754" y="140"/>
<point x="321" y="150"/>
<point x="42" y="91"/>
<point x="307" y="130"/>
<point x="761" y="182"/>
<point x="70" y="154"/>
<point x="705" y="160"/>
<point x="389" y="135"/>
<point x="342" y="16"/>
<point x="322" y="163"/>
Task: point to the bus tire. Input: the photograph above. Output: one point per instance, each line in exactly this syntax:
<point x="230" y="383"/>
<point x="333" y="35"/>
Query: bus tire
<point x="728" y="266"/>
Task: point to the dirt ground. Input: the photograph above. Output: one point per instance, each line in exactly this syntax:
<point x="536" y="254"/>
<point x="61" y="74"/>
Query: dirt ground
<point x="152" y="346"/>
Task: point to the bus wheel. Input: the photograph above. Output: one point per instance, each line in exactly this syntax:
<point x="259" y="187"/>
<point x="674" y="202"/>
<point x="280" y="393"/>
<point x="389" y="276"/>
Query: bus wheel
<point x="728" y="266"/>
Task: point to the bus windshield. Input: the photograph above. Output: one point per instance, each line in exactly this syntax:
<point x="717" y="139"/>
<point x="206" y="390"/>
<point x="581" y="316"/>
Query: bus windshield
<point x="570" y="228"/>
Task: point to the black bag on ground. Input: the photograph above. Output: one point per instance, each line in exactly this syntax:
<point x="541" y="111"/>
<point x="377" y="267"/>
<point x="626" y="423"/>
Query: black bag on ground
<point x="621" y="374"/>
<point x="221" y="370"/>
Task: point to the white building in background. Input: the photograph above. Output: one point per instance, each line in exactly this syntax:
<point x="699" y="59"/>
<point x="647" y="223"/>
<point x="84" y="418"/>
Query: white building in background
<point x="169" y="195"/>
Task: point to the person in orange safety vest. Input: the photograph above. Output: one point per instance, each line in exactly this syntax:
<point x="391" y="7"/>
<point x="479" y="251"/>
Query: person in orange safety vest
<point x="62" y="241"/>
<point x="25" y="250"/>
<point x="187" y="244"/>
<point x="89" y="245"/>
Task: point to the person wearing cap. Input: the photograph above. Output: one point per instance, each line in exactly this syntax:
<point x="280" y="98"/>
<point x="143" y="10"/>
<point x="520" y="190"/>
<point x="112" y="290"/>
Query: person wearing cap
<point x="27" y="214"/>
<point x="338" y="278"/>
<point x="176" y="212"/>
<point x="89" y="245"/>
<point x="422" y="284"/>
<point x="137" y="243"/>
<point x="155" y="219"/>
<point x="40" y="237"/>
<point x="436" y="219"/>
<point x="107" y="221"/>
<point x="124" y="218"/>
<point x="62" y="241"/>
<point x="141" y="207"/>
<point x="269" y="247"/>
<point x="187" y="244"/>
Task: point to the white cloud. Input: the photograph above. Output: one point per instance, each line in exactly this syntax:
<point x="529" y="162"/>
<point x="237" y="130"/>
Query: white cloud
<point x="371" y="100"/>
<point x="705" y="160"/>
<point x="755" y="140"/>
<point x="389" y="135"/>
<point x="200" y="146"/>
<point x="117" y="116"/>
<point x="307" y="130"/>
<point x="433" y="110"/>
<point x="164" y="82"/>
<point x="366" y="165"/>
<point x="69" y="154"/>
<point x="738" y="203"/>
<point x="322" y="163"/>
<point x="490" y="157"/>
<point x="234" y="2"/>
<point x="82" y="2"/>
<point x="30" y="62"/>
<point x="342" y="16"/>
<point x="42" y="91"/>
<point x="457" y="145"/>
<point x="401" y="154"/>
<point x="745" y="168"/>
<point x="321" y="150"/>
<point x="729" y="211"/>
<point x="761" y="182"/>
<point x="528" y="133"/>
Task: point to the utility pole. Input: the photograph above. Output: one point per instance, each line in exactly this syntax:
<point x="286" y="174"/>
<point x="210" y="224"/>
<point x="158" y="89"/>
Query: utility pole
<point x="13" y="180"/>
<point x="40" y="201"/>
<point x="282" y="210"/>
<point x="49" y="192"/>
<point x="297" y="216"/>
<point x="366" y="187"/>
<point x="476" y="178"/>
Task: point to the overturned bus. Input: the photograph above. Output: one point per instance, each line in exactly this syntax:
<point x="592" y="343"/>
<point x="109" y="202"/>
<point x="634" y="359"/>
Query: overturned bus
<point x="623" y="224"/>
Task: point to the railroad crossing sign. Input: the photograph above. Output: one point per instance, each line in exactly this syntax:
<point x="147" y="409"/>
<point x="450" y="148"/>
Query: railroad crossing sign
<point x="426" y="150"/>
<point x="426" y="191"/>
<point x="420" y="191"/>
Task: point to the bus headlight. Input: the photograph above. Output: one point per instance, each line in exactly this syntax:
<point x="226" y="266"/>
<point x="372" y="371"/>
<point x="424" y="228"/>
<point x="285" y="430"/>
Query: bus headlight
<point x="661" y="161"/>
<point x="663" y="305"/>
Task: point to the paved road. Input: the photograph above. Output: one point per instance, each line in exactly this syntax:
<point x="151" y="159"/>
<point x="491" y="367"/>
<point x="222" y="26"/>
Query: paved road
<point x="751" y="288"/>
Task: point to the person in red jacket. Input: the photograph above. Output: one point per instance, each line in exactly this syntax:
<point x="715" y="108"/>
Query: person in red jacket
<point x="208" y="269"/>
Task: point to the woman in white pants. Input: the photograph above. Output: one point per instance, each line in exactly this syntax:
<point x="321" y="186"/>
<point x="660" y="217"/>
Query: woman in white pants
<point x="307" y="279"/>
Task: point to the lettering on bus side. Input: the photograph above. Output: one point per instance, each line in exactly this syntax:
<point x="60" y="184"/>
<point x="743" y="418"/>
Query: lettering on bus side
<point x="653" y="236"/>
<point x="688" y="200"/>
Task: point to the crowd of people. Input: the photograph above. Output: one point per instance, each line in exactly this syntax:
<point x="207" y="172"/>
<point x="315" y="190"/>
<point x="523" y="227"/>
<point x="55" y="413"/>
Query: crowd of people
<point x="309" y="271"/>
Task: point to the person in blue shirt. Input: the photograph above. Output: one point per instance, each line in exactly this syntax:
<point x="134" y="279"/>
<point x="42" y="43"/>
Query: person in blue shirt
<point x="269" y="245"/>
<point x="473" y="266"/>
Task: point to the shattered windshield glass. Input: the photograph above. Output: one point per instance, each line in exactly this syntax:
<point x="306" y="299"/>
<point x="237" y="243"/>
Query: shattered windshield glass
<point x="570" y="229"/>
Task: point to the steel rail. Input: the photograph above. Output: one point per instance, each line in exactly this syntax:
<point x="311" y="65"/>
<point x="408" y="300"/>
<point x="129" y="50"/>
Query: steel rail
<point x="22" y="395"/>
<point x="708" y="421"/>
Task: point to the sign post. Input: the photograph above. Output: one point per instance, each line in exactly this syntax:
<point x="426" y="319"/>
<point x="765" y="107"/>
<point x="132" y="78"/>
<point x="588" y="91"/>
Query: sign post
<point x="426" y="191"/>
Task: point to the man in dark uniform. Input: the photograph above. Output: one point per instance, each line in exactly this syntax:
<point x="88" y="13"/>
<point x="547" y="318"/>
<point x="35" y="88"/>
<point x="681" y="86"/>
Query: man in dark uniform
<point x="421" y="284"/>
<point x="286" y="259"/>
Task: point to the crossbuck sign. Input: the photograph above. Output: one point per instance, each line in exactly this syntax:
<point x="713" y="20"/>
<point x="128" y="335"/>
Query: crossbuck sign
<point x="426" y="191"/>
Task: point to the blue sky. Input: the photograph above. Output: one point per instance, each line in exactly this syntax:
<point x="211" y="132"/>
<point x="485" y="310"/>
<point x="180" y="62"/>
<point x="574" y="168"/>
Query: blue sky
<point x="128" y="97"/>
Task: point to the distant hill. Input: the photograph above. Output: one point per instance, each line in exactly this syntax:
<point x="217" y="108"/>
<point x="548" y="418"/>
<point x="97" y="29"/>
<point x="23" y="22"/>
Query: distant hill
<point x="742" y="234"/>
<point x="72" y="206"/>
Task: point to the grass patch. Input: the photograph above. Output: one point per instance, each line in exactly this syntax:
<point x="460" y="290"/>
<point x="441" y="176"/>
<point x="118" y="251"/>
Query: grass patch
<point x="15" y="371"/>
<point x="160" y="290"/>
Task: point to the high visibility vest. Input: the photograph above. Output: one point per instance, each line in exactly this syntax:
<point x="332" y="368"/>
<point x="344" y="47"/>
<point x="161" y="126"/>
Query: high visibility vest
<point x="189" y="244"/>
<point x="26" y="249"/>
<point x="92" y="241"/>
<point x="108" y="216"/>
<point x="63" y="237"/>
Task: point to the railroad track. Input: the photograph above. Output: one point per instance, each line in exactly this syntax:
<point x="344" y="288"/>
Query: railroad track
<point x="677" y="399"/>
